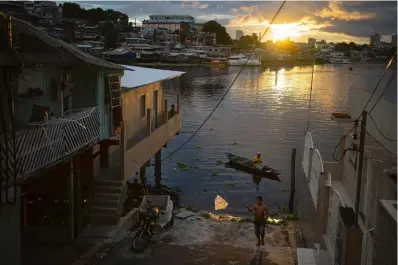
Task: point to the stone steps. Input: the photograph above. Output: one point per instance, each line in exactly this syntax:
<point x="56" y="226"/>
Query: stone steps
<point x="106" y="201"/>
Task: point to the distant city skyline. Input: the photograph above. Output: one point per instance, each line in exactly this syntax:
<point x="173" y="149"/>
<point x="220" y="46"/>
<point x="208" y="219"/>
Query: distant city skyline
<point x="332" y="21"/>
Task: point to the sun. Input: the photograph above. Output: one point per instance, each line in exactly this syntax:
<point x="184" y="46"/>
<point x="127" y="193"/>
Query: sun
<point x="284" y="31"/>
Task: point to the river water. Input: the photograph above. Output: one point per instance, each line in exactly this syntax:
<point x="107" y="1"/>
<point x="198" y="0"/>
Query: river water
<point x="265" y="111"/>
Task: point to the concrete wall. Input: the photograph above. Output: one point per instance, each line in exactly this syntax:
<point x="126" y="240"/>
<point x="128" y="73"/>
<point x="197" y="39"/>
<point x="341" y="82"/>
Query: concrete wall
<point x="131" y="106"/>
<point x="42" y="78"/>
<point x="145" y="149"/>
<point x="385" y="250"/>
<point x="384" y="115"/>
<point x="84" y="92"/>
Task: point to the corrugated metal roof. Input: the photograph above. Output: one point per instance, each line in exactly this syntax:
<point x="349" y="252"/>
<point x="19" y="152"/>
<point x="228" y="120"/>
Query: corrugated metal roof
<point x="141" y="76"/>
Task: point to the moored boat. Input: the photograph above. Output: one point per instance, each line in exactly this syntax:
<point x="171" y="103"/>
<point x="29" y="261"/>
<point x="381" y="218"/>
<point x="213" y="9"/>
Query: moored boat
<point x="246" y="165"/>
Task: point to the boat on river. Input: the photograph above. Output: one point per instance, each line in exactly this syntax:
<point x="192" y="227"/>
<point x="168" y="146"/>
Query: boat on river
<point x="241" y="59"/>
<point x="246" y="165"/>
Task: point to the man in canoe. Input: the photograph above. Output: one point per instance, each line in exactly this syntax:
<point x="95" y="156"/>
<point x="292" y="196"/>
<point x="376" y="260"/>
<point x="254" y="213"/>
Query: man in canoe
<point x="258" y="161"/>
<point x="260" y="215"/>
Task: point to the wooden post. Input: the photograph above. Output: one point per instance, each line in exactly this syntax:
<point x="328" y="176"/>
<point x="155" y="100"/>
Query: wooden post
<point x="104" y="154"/>
<point x="158" y="168"/>
<point x="122" y="149"/>
<point x="178" y="102"/>
<point x="310" y="164"/>
<point x="166" y="115"/>
<point x="143" y="174"/>
<point x="78" y="197"/>
<point x="149" y="121"/>
<point x="166" y="111"/>
<point x="24" y="213"/>
<point x="71" y="204"/>
<point x="292" y="180"/>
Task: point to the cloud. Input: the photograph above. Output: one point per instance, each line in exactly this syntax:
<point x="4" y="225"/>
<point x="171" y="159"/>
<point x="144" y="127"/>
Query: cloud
<point x="336" y="11"/>
<point x="320" y="19"/>
<point x="193" y="4"/>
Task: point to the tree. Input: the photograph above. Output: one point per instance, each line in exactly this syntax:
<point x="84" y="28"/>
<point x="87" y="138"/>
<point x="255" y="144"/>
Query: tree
<point x="110" y="33"/>
<point x="342" y="47"/>
<point x="353" y="46"/>
<point x="247" y="42"/>
<point x="222" y="37"/>
<point x="254" y="38"/>
<point x="94" y="15"/>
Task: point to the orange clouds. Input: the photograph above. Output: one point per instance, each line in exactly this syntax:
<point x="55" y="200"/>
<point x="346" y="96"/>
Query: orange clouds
<point x="335" y="11"/>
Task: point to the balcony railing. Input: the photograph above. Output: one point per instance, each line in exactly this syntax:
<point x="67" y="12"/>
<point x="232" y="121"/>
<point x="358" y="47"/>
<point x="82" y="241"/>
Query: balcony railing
<point x="142" y="132"/>
<point x="44" y="143"/>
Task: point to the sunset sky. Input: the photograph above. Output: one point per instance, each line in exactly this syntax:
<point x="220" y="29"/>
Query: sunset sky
<point x="330" y="20"/>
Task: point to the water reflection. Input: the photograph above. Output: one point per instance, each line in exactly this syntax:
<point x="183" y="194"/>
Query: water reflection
<point x="256" y="180"/>
<point x="266" y="110"/>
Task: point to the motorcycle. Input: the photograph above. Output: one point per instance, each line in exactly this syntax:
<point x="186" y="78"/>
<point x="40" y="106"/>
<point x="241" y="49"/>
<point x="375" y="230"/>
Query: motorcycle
<point x="151" y="220"/>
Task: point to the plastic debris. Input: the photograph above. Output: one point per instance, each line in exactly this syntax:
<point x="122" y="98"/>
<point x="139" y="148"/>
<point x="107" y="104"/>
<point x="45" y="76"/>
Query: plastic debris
<point x="220" y="203"/>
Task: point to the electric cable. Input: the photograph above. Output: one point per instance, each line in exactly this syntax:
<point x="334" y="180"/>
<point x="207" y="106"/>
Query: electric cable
<point x="367" y="103"/>
<point x="382" y="134"/>
<point x="228" y="89"/>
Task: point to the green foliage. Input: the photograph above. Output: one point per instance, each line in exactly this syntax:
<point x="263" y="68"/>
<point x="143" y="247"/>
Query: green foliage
<point x="110" y="32"/>
<point x="222" y="37"/>
<point x="247" y="42"/>
<point x="94" y="15"/>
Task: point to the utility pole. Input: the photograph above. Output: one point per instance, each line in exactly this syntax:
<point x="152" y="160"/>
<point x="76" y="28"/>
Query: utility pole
<point x="360" y="165"/>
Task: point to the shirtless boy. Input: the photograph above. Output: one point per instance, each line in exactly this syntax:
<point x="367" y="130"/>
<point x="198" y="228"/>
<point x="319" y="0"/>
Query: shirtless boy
<point x="260" y="215"/>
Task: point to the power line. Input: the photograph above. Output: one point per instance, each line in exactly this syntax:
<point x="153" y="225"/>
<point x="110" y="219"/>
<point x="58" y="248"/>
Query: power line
<point x="382" y="93"/>
<point x="312" y="82"/>
<point x="229" y="88"/>
<point x="378" y="83"/>
<point x="389" y="139"/>
<point x="367" y="103"/>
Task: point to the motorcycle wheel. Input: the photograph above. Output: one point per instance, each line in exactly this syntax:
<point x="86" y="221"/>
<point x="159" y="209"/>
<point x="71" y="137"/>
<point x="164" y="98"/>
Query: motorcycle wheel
<point x="140" y="243"/>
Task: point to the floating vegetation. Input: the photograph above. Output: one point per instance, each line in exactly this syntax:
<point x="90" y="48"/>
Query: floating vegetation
<point x="230" y="184"/>
<point x="181" y="164"/>
<point x="219" y="162"/>
<point x="175" y="169"/>
<point x="198" y="147"/>
<point x="214" y="174"/>
<point x="269" y="220"/>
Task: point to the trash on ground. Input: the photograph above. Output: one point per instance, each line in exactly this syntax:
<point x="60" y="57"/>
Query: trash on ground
<point x="220" y="203"/>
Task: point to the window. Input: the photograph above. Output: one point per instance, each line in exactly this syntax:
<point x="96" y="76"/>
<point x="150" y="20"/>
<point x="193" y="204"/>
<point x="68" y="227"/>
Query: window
<point x="142" y="106"/>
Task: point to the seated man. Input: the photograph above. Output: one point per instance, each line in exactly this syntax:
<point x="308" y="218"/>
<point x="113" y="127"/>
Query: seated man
<point x="172" y="112"/>
<point x="258" y="161"/>
<point x="137" y="189"/>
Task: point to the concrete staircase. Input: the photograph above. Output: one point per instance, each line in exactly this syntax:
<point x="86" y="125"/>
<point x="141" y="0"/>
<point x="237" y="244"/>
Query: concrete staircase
<point x="108" y="201"/>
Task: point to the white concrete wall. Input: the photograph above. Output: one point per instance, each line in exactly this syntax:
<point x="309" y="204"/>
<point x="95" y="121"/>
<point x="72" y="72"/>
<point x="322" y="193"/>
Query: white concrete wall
<point x="384" y="115"/>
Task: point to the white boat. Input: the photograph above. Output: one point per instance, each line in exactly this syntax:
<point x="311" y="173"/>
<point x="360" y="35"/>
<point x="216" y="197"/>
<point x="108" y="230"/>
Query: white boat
<point x="241" y="59"/>
<point x="339" y="58"/>
<point x="340" y="61"/>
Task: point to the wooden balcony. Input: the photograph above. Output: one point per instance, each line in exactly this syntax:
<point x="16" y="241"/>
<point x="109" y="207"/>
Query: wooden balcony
<point x="44" y="143"/>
